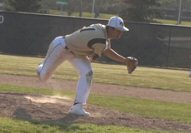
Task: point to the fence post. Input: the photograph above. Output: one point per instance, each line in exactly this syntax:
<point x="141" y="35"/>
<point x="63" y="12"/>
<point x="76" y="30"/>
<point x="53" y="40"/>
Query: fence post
<point x="1" y="19"/>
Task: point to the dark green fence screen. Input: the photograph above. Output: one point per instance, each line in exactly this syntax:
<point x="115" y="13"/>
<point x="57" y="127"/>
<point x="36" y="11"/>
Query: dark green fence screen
<point x="152" y="44"/>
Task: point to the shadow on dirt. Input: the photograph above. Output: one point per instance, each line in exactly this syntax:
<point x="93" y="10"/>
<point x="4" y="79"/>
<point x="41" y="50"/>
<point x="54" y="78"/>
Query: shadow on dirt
<point x="22" y="114"/>
<point x="66" y="123"/>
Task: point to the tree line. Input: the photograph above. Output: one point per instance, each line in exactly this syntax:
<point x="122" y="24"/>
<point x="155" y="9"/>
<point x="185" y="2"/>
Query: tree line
<point x="131" y="10"/>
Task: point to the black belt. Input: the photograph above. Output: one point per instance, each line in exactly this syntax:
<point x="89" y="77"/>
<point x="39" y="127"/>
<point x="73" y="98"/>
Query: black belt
<point x="66" y="48"/>
<point x="65" y="42"/>
<point x="69" y="50"/>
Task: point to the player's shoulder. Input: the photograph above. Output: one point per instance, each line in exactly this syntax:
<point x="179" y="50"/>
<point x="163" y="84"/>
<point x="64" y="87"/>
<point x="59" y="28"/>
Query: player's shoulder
<point x="98" y="26"/>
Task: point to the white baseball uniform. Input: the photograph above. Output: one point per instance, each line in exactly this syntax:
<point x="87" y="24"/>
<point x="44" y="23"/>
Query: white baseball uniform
<point x="75" y="48"/>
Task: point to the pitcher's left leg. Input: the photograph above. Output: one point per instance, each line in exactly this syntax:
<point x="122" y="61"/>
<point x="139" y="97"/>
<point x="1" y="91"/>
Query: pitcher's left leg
<point x="55" y="56"/>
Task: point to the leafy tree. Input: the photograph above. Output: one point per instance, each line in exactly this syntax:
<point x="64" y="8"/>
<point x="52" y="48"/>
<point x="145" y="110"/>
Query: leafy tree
<point x="23" y="5"/>
<point x="47" y="5"/>
<point x="173" y="4"/>
<point x="140" y="10"/>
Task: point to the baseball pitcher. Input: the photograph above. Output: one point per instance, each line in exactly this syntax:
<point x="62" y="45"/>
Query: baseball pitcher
<point x="80" y="48"/>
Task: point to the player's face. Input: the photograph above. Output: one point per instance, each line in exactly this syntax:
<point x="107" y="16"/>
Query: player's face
<point x="117" y="34"/>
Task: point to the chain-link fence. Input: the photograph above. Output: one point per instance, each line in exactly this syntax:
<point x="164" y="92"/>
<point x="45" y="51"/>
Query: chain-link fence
<point x="152" y="44"/>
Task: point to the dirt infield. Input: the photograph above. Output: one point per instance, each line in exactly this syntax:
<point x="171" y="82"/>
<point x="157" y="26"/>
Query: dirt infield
<point x="49" y="109"/>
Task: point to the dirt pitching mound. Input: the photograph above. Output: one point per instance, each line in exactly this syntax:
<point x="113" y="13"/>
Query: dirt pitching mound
<point x="49" y="109"/>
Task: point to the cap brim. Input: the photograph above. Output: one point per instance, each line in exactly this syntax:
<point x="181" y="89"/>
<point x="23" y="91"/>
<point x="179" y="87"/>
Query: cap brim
<point x="125" y="28"/>
<point x="121" y="28"/>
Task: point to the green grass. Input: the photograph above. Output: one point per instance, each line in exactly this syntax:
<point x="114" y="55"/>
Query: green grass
<point x="165" y="79"/>
<point x="145" y="108"/>
<point x="17" y="126"/>
<point x="176" y="80"/>
<point x="24" y="90"/>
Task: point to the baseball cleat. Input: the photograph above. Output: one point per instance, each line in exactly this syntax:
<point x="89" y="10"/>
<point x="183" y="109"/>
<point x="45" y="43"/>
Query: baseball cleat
<point x="77" y="109"/>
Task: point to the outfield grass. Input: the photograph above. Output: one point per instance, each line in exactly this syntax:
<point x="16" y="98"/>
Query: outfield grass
<point x="176" y="80"/>
<point x="165" y="79"/>
<point x="145" y="108"/>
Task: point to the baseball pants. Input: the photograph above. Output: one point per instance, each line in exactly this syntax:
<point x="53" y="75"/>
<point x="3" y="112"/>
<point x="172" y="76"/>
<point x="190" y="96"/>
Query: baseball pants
<point x="57" y="54"/>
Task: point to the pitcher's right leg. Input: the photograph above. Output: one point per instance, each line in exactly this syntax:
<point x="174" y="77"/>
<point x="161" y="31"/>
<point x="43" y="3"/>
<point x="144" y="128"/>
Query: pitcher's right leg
<point x="84" y="68"/>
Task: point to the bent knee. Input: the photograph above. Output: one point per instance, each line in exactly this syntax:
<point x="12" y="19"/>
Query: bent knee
<point x="89" y="76"/>
<point x="44" y="76"/>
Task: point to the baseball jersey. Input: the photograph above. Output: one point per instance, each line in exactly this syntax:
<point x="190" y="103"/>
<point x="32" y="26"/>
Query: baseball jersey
<point x="88" y="40"/>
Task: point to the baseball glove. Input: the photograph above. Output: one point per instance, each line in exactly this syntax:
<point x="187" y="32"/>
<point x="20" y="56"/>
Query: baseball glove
<point x="131" y="63"/>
